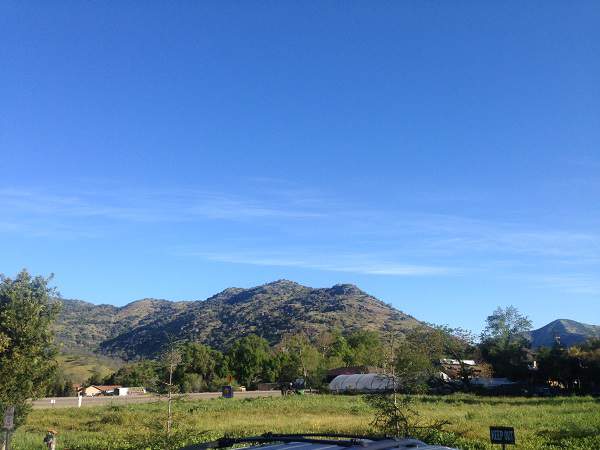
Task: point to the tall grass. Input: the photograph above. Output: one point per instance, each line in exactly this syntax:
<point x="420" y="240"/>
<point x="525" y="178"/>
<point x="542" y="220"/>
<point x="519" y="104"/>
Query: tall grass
<point x="540" y="423"/>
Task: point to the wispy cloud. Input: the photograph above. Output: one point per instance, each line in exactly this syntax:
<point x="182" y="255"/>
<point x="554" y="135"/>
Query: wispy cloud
<point x="585" y="284"/>
<point x="359" y="264"/>
<point x="148" y="205"/>
<point x="393" y="242"/>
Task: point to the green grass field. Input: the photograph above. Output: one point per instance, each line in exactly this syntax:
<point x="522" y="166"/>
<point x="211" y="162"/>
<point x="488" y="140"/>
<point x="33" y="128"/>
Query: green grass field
<point x="540" y="423"/>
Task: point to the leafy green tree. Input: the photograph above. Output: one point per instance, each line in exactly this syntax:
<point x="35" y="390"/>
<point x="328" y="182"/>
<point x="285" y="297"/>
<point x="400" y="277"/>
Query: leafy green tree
<point x="60" y="386"/>
<point x="284" y="366"/>
<point x="69" y="389"/>
<point x="143" y="374"/>
<point x="200" y="367"/>
<point x="336" y="350"/>
<point x="408" y="363"/>
<point x="198" y="359"/>
<point x="310" y="361"/>
<point x="575" y="369"/>
<point x="415" y="357"/>
<point x="503" y="342"/>
<point x="441" y="341"/>
<point x="588" y="363"/>
<point x="365" y="349"/>
<point x="506" y="325"/>
<point x="248" y="358"/>
<point x="554" y="365"/>
<point x="27" y="364"/>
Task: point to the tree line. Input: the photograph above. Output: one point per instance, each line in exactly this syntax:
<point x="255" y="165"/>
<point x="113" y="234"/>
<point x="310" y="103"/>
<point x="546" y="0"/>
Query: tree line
<point x="250" y="360"/>
<point x="502" y="350"/>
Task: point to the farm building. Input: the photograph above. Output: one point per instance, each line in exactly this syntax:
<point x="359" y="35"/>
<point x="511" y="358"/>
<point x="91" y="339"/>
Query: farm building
<point x="352" y="370"/>
<point x="121" y="391"/>
<point x="92" y="391"/>
<point x="133" y="390"/>
<point x="363" y="383"/>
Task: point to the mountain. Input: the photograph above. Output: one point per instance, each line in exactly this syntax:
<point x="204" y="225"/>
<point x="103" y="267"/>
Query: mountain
<point x="570" y="333"/>
<point x="273" y="310"/>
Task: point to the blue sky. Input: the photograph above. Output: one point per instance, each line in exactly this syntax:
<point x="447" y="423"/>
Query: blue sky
<point x="444" y="156"/>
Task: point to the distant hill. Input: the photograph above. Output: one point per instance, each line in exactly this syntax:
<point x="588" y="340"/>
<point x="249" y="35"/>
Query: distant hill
<point x="79" y="367"/>
<point x="273" y="310"/>
<point x="570" y="333"/>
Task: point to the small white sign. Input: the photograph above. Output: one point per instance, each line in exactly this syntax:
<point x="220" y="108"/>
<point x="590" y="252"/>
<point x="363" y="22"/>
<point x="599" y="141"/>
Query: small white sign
<point x="9" y="417"/>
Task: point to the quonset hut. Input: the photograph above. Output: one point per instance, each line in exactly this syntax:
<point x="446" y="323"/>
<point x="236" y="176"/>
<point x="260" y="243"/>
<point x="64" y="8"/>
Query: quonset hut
<point x="363" y="383"/>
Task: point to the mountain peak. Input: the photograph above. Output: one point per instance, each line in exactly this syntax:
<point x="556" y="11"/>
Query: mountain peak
<point x="569" y="331"/>
<point x="283" y="283"/>
<point x="346" y="289"/>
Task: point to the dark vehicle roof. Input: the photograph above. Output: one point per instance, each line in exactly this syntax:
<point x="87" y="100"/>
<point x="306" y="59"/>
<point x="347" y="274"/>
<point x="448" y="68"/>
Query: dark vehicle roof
<point x="317" y="442"/>
<point x="399" y="444"/>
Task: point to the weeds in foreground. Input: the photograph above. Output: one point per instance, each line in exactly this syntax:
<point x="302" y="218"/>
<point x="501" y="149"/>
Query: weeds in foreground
<point x="398" y="416"/>
<point x="553" y="423"/>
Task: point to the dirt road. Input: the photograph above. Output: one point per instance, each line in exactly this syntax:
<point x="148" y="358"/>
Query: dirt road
<point x="71" y="402"/>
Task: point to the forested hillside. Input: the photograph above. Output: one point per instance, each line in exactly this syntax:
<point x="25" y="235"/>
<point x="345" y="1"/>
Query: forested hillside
<point x="272" y="311"/>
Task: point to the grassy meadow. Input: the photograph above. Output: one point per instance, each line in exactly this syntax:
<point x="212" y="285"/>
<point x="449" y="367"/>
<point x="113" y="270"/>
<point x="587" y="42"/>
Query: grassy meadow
<point x="563" y="422"/>
<point x="78" y="367"/>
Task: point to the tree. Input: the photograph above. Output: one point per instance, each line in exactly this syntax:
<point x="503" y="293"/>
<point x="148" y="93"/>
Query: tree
<point x="284" y="366"/>
<point x="143" y="373"/>
<point x="408" y="366"/>
<point x="27" y="365"/>
<point x="415" y="357"/>
<point x="248" y="358"/>
<point x="503" y="342"/>
<point x="307" y="356"/>
<point x="506" y="325"/>
<point x="588" y="356"/>
<point x="458" y="344"/>
<point x="171" y="358"/>
<point x="576" y="369"/>
<point x="365" y="348"/>
<point x="200" y="367"/>
<point x="334" y="349"/>
<point x="60" y="386"/>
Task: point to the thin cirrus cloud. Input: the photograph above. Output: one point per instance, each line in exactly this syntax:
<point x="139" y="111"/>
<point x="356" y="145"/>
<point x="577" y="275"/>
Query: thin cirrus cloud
<point x="427" y="233"/>
<point x="580" y="283"/>
<point x="345" y="263"/>
<point x="443" y="244"/>
<point x="145" y="205"/>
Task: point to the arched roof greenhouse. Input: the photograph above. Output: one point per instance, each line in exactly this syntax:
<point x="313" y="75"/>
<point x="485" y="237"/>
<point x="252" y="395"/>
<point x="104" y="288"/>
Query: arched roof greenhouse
<point x="363" y="383"/>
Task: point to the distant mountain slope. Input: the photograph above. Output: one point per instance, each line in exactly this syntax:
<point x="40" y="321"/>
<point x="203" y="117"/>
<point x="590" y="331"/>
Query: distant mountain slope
<point x="273" y="310"/>
<point x="569" y="331"/>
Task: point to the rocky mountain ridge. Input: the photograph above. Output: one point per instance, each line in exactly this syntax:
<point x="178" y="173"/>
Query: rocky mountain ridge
<point x="141" y="328"/>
